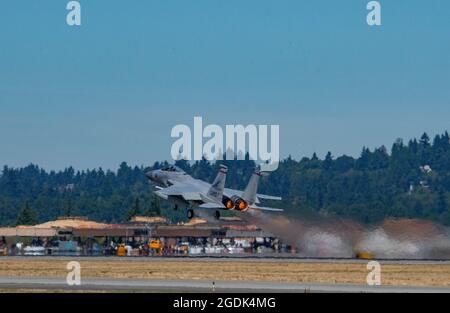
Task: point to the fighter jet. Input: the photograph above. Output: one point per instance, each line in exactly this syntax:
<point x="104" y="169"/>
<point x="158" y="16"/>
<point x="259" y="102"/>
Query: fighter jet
<point x="182" y="190"/>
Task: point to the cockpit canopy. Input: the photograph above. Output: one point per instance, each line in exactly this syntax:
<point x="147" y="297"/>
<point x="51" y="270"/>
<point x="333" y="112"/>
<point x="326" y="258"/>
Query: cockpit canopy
<point x="172" y="168"/>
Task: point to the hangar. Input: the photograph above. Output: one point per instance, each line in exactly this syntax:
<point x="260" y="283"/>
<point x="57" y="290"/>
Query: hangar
<point x="142" y="236"/>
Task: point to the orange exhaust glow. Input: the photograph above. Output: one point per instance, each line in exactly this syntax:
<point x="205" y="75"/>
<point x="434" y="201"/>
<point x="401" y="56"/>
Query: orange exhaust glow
<point x="242" y="205"/>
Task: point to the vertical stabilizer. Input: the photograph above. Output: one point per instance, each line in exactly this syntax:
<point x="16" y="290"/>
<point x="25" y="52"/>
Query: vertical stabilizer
<point x="250" y="191"/>
<point x="216" y="190"/>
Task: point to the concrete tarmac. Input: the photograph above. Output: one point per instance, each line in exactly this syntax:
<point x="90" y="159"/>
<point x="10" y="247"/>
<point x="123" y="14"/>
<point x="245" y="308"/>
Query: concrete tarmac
<point x="182" y="286"/>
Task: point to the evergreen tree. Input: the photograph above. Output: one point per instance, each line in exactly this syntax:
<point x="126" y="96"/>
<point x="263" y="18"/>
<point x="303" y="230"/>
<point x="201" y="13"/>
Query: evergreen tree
<point x="26" y="216"/>
<point x="155" y="207"/>
<point x="369" y="188"/>
<point x="425" y="140"/>
<point x="328" y="162"/>
<point x="134" y="211"/>
<point x="68" y="211"/>
<point x="441" y="202"/>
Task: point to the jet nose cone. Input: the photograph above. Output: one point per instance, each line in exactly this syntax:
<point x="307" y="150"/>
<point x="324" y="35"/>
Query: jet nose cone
<point x="151" y="175"/>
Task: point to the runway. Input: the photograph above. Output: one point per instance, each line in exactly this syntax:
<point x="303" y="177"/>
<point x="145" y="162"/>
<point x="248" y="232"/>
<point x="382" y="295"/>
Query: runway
<point x="232" y="274"/>
<point x="183" y="286"/>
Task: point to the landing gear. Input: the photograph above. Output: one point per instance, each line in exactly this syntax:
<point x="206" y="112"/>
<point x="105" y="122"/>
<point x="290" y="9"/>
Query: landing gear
<point x="217" y="214"/>
<point x="190" y="213"/>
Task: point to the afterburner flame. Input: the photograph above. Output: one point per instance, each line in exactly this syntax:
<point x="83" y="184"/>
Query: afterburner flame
<point x="229" y="204"/>
<point x="241" y="205"/>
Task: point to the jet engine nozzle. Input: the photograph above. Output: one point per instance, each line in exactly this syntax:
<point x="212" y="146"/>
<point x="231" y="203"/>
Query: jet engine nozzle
<point x="239" y="204"/>
<point x="228" y="203"/>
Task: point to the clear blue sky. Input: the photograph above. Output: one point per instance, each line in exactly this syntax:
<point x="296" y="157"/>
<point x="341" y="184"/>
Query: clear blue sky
<point x="112" y="89"/>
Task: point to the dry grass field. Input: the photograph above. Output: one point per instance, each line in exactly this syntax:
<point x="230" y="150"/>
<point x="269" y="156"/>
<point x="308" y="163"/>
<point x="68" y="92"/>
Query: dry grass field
<point x="302" y="272"/>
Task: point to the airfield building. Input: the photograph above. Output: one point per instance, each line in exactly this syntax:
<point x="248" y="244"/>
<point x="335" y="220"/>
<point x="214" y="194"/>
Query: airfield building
<point x="142" y="236"/>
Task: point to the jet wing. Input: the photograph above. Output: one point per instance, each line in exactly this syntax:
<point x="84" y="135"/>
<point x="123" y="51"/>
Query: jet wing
<point x="255" y="207"/>
<point x="212" y="206"/>
<point x="266" y="197"/>
<point x="187" y="192"/>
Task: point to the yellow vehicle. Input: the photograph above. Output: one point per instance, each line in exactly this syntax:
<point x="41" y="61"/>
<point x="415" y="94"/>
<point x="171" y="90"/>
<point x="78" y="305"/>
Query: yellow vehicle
<point x="365" y="255"/>
<point x="156" y="246"/>
<point x="121" y="251"/>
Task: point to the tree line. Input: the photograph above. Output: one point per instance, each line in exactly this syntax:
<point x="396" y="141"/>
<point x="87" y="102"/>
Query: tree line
<point x="411" y="180"/>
